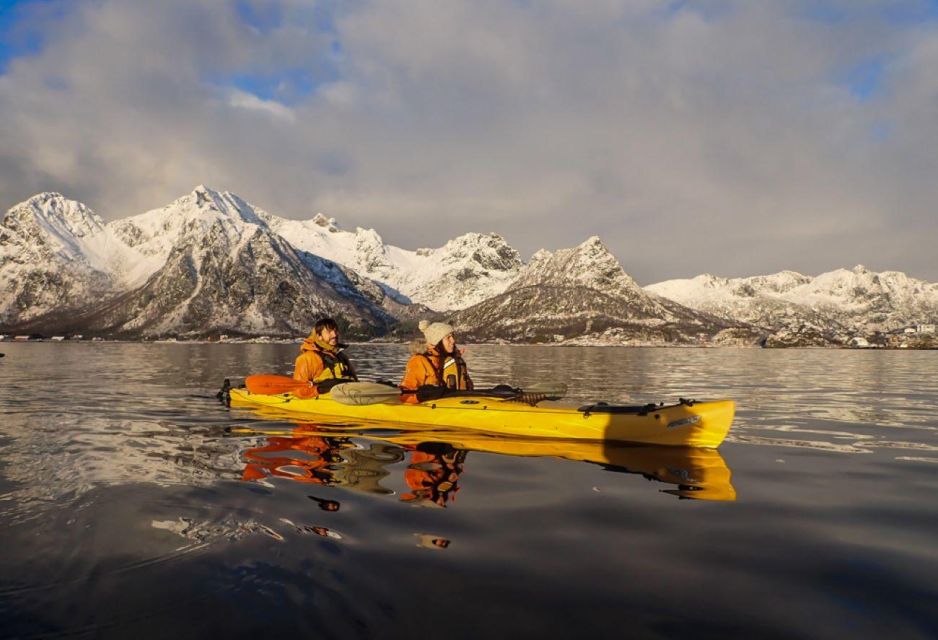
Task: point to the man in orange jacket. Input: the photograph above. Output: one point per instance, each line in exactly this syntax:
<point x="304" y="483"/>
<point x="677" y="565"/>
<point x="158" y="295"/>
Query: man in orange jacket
<point x="321" y="360"/>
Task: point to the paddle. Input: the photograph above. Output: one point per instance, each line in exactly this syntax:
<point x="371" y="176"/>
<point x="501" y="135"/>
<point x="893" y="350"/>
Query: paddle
<point x="364" y="393"/>
<point x="270" y="384"/>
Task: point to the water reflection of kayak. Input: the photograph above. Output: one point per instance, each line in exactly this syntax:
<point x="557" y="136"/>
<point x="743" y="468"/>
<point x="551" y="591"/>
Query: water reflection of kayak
<point x="688" y="423"/>
<point x="695" y="473"/>
<point x="699" y="473"/>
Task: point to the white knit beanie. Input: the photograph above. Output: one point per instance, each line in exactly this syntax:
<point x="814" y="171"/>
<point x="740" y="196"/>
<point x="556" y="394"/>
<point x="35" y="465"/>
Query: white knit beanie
<point x="434" y="332"/>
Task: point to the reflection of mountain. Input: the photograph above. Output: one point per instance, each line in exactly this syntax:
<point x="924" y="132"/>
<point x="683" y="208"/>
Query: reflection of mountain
<point x="48" y="463"/>
<point x="437" y="458"/>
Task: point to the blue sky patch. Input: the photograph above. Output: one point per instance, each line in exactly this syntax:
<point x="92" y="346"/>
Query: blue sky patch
<point x="15" y="42"/>
<point x="882" y="131"/>
<point x="289" y="85"/>
<point x="865" y="80"/>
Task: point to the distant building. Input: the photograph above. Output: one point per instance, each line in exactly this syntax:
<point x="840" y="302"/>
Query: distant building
<point x="925" y="328"/>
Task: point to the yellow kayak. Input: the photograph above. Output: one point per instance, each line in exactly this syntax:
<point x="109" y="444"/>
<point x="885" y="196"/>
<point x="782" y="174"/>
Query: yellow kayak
<point x="688" y="423"/>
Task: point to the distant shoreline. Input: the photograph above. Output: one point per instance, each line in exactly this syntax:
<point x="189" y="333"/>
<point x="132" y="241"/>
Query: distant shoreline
<point x="287" y="341"/>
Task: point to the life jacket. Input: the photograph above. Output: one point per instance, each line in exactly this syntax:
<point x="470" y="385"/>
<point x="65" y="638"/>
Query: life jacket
<point x="335" y="364"/>
<point x="451" y="370"/>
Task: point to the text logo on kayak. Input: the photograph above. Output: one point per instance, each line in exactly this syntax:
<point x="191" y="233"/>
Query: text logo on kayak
<point x="683" y="422"/>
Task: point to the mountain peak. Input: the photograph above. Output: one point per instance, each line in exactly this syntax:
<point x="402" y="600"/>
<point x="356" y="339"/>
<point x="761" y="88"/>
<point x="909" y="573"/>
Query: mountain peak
<point x="204" y="190"/>
<point x="45" y="201"/>
<point x="205" y="204"/>
<point x="45" y="196"/>
<point x="203" y="195"/>
<point x="327" y="223"/>
<point x="57" y="214"/>
<point x="589" y="264"/>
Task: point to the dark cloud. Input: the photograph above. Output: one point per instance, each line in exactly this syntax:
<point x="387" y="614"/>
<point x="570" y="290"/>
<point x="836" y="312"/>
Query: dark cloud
<point x="727" y="137"/>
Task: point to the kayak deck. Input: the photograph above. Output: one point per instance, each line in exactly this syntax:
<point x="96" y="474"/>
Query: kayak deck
<point x="692" y="424"/>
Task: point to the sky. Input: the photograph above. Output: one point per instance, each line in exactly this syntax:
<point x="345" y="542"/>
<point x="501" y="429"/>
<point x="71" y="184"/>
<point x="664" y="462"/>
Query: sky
<point x="728" y="137"/>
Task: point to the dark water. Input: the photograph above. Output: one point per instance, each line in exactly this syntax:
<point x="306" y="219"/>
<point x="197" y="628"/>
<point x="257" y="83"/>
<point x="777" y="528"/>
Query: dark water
<point x="132" y="504"/>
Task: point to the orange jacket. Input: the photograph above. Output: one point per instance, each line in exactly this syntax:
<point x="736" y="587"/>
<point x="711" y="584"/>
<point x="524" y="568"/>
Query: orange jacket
<point x="425" y="369"/>
<point x="318" y="362"/>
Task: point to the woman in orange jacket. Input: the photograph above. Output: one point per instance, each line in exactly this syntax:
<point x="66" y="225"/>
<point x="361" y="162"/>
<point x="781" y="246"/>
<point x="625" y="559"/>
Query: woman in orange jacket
<point x="440" y="364"/>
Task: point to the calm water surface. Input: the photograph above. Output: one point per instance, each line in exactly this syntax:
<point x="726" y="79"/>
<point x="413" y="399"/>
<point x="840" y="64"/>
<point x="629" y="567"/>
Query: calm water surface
<point x="133" y="504"/>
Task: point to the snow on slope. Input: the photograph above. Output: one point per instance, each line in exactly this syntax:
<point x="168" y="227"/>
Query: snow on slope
<point x="466" y="270"/>
<point x="854" y="299"/>
<point x="54" y="254"/>
<point x="463" y="272"/>
<point x="154" y="234"/>
<point x="67" y="231"/>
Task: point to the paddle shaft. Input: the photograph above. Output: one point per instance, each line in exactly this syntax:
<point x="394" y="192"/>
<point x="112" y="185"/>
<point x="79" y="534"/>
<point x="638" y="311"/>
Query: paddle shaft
<point x="365" y="393"/>
<point x="371" y="393"/>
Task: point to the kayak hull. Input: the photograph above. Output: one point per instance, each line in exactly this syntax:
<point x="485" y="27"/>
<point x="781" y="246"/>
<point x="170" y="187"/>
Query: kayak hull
<point x="697" y="424"/>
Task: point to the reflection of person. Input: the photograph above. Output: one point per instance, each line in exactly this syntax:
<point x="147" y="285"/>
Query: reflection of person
<point x="429" y="541"/>
<point x="303" y="468"/>
<point x="433" y="475"/>
<point x="440" y="363"/>
<point x="321" y="360"/>
<point x="326" y="505"/>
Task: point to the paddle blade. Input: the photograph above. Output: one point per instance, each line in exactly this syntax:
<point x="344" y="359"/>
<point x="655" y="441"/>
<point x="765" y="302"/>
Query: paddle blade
<point x="270" y="384"/>
<point x="362" y="393"/>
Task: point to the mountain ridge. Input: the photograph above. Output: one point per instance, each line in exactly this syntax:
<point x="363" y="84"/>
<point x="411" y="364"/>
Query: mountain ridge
<point x="211" y="263"/>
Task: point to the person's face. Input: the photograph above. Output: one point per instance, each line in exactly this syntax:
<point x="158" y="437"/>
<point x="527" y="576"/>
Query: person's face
<point x="449" y="342"/>
<point x="329" y="336"/>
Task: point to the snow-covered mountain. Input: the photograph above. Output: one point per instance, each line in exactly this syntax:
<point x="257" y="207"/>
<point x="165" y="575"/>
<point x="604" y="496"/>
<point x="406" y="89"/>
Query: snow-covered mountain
<point x="153" y="235"/>
<point x="579" y="294"/>
<point x="206" y="263"/>
<point x="211" y="263"/>
<point x="55" y="253"/>
<point x="845" y="301"/>
<point x="230" y="279"/>
<point x="464" y="271"/>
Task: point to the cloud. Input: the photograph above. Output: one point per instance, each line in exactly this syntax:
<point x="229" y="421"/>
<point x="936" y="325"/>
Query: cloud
<point x="244" y="100"/>
<point x="722" y="136"/>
